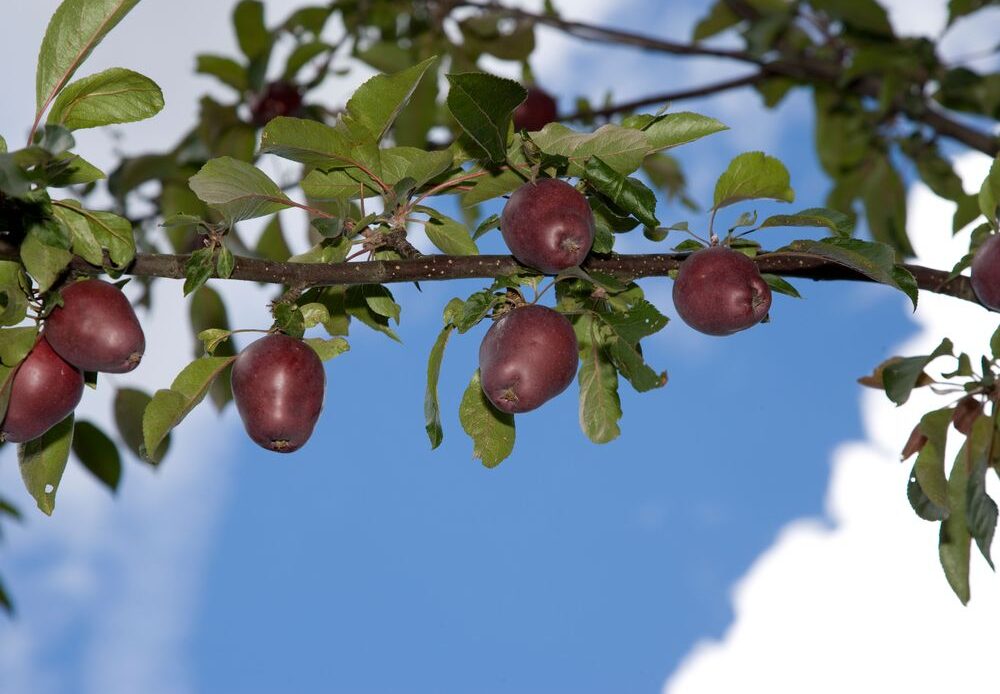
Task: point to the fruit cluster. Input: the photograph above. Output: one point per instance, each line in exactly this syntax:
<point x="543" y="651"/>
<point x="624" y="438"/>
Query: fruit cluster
<point x="95" y="329"/>
<point x="527" y="357"/>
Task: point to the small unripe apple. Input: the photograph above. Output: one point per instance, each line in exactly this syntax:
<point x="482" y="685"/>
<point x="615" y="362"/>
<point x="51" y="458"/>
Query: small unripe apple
<point x="278" y="99"/>
<point x="719" y="291"/>
<point x="44" y="391"/>
<point x="96" y="328"/>
<point x="986" y="273"/>
<point x="278" y="386"/>
<point x="548" y="225"/>
<point x="536" y="111"/>
<point x="527" y="358"/>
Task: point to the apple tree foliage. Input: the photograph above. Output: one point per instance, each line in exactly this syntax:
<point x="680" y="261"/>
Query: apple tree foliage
<point x="434" y="126"/>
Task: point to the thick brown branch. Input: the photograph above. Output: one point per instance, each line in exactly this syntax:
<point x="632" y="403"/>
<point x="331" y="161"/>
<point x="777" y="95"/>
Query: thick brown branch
<point x="949" y="127"/>
<point x="443" y="267"/>
<point x="693" y="93"/>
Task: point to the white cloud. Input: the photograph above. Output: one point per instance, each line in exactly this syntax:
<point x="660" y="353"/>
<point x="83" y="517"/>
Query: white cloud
<point x="864" y="604"/>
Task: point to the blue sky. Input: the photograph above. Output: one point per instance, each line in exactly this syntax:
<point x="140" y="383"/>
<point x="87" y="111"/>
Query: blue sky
<point x="368" y="563"/>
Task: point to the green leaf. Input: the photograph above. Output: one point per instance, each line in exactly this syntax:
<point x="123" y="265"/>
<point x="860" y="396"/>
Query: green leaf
<point x="198" y="269"/>
<point x="272" y="244"/>
<point x="3" y="145"/>
<point x="226" y="70"/>
<point x="837" y="222"/>
<point x="675" y="129"/>
<point x="935" y="170"/>
<point x="630" y="194"/>
<point x="380" y="300"/>
<point x="473" y="310"/>
<point x="900" y="376"/>
<point x="491" y="186"/>
<point x="251" y="33"/>
<point x="418" y="165"/>
<point x="93" y="232"/>
<point x="482" y="104"/>
<point x="98" y="453"/>
<point x="718" y="19"/>
<point x="224" y="263"/>
<point x="129" y="406"/>
<point x="237" y="189"/>
<point x="920" y="502"/>
<point x="642" y="319"/>
<point x="487" y="33"/>
<point x="314" y="313"/>
<point x="169" y="407"/>
<point x="341" y="184"/>
<point x="874" y="260"/>
<point x="321" y="146"/>
<point x="981" y="510"/>
<point x="44" y="262"/>
<point x="377" y="102"/>
<point x="623" y="149"/>
<point x="289" y="319"/>
<point x="600" y="407"/>
<point x="955" y="538"/>
<point x="630" y="364"/>
<point x="213" y="338"/>
<point x="865" y="16"/>
<point x="14" y="179"/>
<point x="432" y="411"/>
<point x="989" y="193"/>
<point x="906" y="283"/>
<point x="448" y="235"/>
<point x="43" y="461"/>
<point x="356" y="303"/>
<point x="884" y="196"/>
<point x="301" y="55"/>
<point x="5" y="602"/>
<point x="491" y="431"/>
<point x="72" y="170"/>
<point x="327" y="349"/>
<point x="13" y="293"/>
<point x="16" y="344"/>
<point x="489" y="224"/>
<point x="752" y="176"/>
<point x="76" y="27"/>
<point x="208" y="312"/>
<point x="929" y="466"/>
<point x="116" y="95"/>
<point x="780" y="285"/>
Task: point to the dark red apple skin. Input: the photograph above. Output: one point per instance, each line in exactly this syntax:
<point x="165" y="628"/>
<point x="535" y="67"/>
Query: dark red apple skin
<point x="527" y="358"/>
<point x="277" y="99"/>
<point x="986" y="273"/>
<point x="96" y="328"/>
<point x="278" y="386"/>
<point x="719" y="291"/>
<point x="536" y="111"/>
<point x="45" y="389"/>
<point x="548" y="225"/>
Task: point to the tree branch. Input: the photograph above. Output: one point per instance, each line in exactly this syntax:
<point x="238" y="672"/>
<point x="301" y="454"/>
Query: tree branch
<point x="444" y="267"/>
<point x="692" y="93"/>
<point x="799" y="68"/>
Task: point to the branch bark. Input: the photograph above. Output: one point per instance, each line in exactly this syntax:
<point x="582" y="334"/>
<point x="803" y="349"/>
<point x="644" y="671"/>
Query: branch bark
<point x="431" y="268"/>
